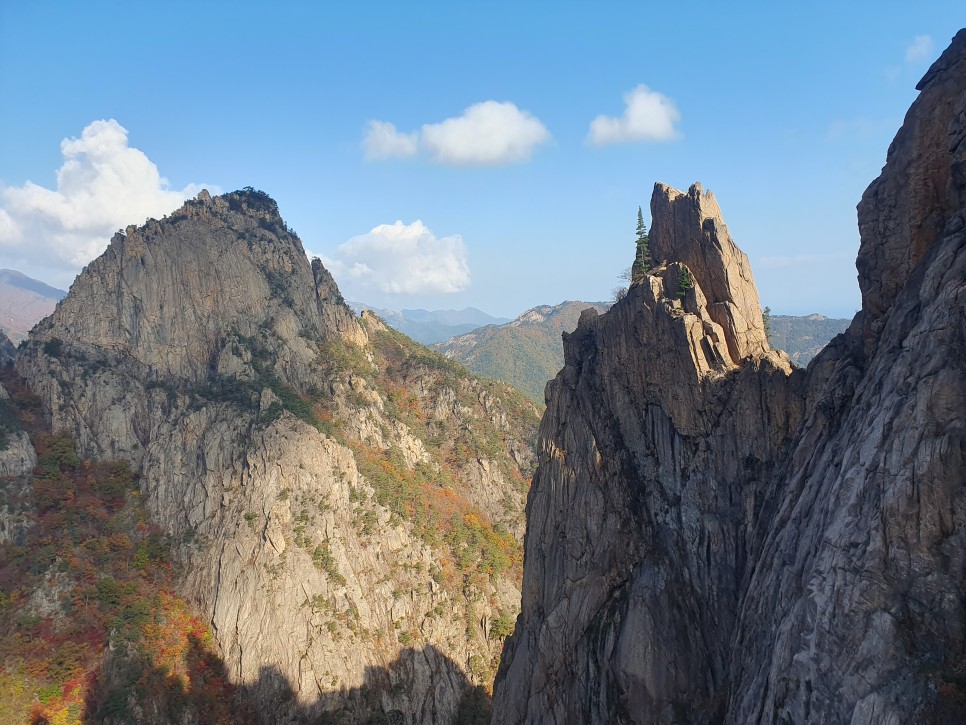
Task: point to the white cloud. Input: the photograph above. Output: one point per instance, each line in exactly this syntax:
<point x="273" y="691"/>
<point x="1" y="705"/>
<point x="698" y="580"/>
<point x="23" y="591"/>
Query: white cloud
<point x="383" y="141"/>
<point x="103" y="185"/>
<point x="401" y="259"/>
<point x="919" y="50"/>
<point x="486" y="134"/>
<point x="648" y="116"/>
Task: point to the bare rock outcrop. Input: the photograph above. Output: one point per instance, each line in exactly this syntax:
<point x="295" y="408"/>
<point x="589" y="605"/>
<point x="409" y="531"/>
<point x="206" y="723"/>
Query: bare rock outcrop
<point x="864" y="620"/>
<point x="688" y="228"/>
<point x="715" y="538"/>
<point x="178" y="286"/>
<point x="905" y="212"/>
<point x="300" y="459"/>
<point x="17" y="460"/>
<point x="656" y="441"/>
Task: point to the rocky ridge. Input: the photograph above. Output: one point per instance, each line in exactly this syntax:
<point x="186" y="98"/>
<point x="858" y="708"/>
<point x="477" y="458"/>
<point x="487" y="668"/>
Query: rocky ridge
<point x="345" y="502"/>
<point x="805" y="336"/>
<point x="713" y="537"/>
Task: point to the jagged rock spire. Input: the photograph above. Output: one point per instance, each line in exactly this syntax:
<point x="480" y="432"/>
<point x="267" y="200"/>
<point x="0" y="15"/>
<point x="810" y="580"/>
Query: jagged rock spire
<point x="688" y="228"/>
<point x="749" y="545"/>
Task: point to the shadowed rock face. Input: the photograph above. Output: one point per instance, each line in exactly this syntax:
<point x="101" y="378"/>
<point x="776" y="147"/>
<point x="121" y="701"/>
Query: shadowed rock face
<point x="712" y="537"/>
<point x="905" y="212"/>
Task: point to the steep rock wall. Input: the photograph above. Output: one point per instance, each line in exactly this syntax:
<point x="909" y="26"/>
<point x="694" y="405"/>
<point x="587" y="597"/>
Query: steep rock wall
<point x="656" y="449"/>
<point x="864" y="620"/>
<point x="711" y="538"/>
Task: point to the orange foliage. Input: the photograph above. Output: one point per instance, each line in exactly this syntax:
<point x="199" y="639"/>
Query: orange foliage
<point x="88" y="526"/>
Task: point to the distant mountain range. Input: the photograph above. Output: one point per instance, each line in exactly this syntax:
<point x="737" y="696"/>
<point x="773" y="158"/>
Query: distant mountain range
<point x="24" y="301"/>
<point x="526" y="352"/>
<point x="430" y="326"/>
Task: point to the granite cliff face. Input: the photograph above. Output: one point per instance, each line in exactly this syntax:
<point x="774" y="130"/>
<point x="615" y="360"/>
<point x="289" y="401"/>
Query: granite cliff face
<point x="347" y="505"/>
<point x="655" y="444"/>
<point x="713" y="537"/>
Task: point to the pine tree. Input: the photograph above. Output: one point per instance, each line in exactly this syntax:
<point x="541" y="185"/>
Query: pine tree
<point x="684" y="283"/>
<point x="642" y="256"/>
<point x="766" y="318"/>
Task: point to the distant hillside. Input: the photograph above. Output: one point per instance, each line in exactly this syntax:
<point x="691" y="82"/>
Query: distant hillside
<point x="803" y="337"/>
<point x="431" y="326"/>
<point x="24" y="302"/>
<point x="526" y="352"/>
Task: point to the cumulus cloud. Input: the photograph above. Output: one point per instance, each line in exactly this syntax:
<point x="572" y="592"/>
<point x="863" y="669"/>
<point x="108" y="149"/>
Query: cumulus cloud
<point x="383" y="141"/>
<point x="103" y="185"/>
<point x="486" y="133"/>
<point x="919" y="50"/>
<point x="648" y="116"/>
<point x="402" y="259"/>
<point x="490" y="133"/>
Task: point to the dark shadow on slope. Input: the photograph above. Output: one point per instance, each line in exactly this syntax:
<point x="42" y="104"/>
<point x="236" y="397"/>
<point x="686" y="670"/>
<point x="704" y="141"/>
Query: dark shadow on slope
<point x="129" y="689"/>
<point x="424" y="682"/>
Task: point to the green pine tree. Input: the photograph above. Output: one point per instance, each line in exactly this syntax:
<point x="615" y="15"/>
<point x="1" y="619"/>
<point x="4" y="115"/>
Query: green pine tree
<point x="684" y="282"/>
<point x="766" y="318"/>
<point x="642" y="256"/>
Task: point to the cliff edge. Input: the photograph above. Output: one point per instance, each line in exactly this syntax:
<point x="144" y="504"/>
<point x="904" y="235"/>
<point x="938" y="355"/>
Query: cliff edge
<point x="713" y="537"/>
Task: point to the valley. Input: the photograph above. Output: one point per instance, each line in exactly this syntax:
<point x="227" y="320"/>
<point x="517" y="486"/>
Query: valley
<point x="228" y="495"/>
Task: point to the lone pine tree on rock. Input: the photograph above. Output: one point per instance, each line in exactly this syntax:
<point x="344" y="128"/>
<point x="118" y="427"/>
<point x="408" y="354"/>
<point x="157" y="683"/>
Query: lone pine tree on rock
<point x="684" y="283"/>
<point x="642" y="257"/>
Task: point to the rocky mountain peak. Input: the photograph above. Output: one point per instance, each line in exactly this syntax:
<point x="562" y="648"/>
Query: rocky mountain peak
<point x="180" y="285"/>
<point x="346" y="504"/>
<point x="688" y="227"/>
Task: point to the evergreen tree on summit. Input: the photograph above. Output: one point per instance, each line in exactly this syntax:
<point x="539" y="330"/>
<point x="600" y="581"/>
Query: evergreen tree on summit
<point x="642" y="257"/>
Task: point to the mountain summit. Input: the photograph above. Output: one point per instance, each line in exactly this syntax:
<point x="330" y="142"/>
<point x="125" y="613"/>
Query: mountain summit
<point x="347" y="505"/>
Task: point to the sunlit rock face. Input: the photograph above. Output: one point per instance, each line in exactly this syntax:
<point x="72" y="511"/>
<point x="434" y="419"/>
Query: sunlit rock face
<point x="713" y="537"/>
<point x="346" y="504"/>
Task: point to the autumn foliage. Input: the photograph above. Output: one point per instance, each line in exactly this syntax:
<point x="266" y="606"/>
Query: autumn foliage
<point x="90" y="624"/>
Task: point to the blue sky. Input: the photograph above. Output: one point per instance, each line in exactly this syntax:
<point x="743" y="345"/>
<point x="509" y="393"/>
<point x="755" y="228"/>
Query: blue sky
<point x="784" y="110"/>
